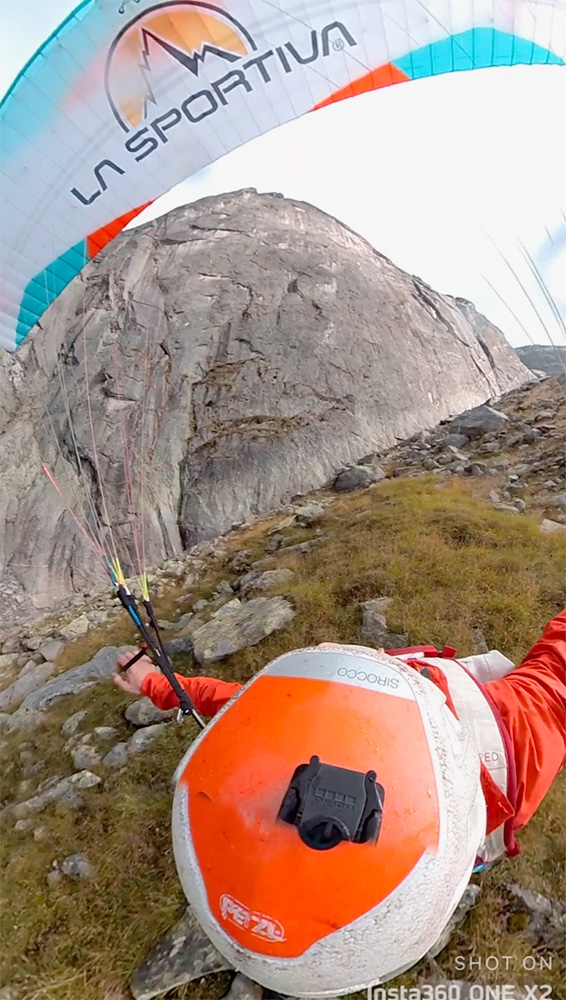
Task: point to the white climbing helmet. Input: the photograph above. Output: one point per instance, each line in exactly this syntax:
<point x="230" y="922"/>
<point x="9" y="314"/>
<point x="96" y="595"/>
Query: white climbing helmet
<point x="326" y="823"/>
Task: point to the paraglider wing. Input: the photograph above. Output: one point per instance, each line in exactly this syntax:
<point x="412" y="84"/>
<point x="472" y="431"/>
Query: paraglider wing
<point x="129" y="97"/>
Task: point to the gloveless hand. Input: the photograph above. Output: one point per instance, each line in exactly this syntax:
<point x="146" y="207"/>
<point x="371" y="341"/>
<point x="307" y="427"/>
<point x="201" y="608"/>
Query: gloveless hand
<point x="130" y="680"/>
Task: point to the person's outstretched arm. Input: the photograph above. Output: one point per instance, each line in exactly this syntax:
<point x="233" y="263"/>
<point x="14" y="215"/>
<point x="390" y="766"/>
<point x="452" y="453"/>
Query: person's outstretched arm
<point x="208" y="694"/>
<point x="532" y="703"/>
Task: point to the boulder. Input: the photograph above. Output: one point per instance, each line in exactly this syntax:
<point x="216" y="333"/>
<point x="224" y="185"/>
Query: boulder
<point x="84" y="755"/>
<point x="117" y="756"/>
<point x="144" y="713"/>
<point x="52" y="650"/>
<point x="478" y="421"/>
<point x="180" y="646"/>
<point x="237" y="626"/>
<point x="71" y="724"/>
<point x="549" y="527"/>
<point x="183" y="954"/>
<point x="99" y="668"/>
<point x="243" y="988"/>
<point x="33" y="679"/>
<point x="359" y="477"/>
<point x="77" y="627"/>
<point x="143" y="737"/>
<point x="374" y="630"/>
<point x="268" y="371"/>
<point x="76" y="867"/>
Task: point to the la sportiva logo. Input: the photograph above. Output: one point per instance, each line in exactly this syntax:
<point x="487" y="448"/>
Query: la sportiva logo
<point x="171" y="36"/>
<point x="176" y="49"/>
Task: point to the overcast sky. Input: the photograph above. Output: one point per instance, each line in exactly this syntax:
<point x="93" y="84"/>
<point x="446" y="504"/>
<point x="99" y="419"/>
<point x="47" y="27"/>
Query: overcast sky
<point x="446" y="176"/>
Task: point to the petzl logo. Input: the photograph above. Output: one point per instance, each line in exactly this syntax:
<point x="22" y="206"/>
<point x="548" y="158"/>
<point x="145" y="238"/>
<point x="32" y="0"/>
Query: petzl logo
<point x="168" y="38"/>
<point x="257" y="923"/>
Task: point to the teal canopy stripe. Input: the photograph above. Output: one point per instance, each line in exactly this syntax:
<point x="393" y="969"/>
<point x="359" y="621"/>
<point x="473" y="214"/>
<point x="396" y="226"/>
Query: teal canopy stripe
<point x="478" y="48"/>
<point x="42" y="290"/>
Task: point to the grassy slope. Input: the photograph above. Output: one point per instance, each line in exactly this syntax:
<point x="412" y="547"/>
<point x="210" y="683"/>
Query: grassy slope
<point x="451" y="563"/>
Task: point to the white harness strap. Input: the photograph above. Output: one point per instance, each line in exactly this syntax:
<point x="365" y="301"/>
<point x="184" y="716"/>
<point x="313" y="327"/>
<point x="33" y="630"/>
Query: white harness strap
<point x="487" y="667"/>
<point x="475" y="713"/>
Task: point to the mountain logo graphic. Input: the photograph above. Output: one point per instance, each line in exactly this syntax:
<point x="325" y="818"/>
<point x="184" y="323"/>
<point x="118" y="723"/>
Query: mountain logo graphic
<point x="159" y="42"/>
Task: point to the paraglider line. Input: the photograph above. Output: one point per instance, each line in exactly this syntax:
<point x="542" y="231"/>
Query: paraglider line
<point x="522" y="287"/>
<point x="127" y="477"/>
<point x="95" y="450"/>
<point x="157" y="653"/>
<point x="90" y="538"/>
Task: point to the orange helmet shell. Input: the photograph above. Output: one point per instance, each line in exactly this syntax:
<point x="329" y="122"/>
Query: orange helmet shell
<point x="262" y="887"/>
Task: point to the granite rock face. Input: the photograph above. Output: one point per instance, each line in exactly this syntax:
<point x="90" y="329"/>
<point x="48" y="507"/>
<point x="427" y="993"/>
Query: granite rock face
<point x="249" y="347"/>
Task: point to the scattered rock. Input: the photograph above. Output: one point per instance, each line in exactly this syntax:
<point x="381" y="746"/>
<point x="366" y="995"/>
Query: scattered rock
<point x="275" y="542"/>
<point x="476" y="469"/>
<point x="183" y="954"/>
<point x="8" y="661"/>
<point x="302" y="547"/>
<point x="32" y="643"/>
<point x="559" y="500"/>
<point x="76" y="866"/>
<point x="143" y="737"/>
<point x="308" y="515"/>
<point x="30" y="665"/>
<point x="548" y="527"/>
<point x="23" y="825"/>
<point x="71" y="724"/>
<point x="237" y="626"/>
<point x="240" y="562"/>
<point x="243" y="988"/>
<point x="532" y="435"/>
<point x="33" y="678"/>
<point x="479" y="643"/>
<point x="144" y="713"/>
<point x="358" y="477"/>
<point x="545" y="415"/>
<point x="117" y="756"/>
<point x="374" y="630"/>
<point x="77" y="627"/>
<point x="54" y="878"/>
<point x="453" y="441"/>
<point x="546" y="918"/>
<point x="63" y="789"/>
<point x="12" y="645"/>
<point x="265" y="581"/>
<point x="85" y="756"/>
<point x="287" y="522"/>
<point x="184" y="620"/>
<point x="181" y="645"/>
<point x="52" y="650"/>
<point x="104" y="733"/>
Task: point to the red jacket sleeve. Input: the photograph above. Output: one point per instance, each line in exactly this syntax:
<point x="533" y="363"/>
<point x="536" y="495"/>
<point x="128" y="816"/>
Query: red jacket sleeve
<point x="207" y="694"/>
<point x="532" y="703"/>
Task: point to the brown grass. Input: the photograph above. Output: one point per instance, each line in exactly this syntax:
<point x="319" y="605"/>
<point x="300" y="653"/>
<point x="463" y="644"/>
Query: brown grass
<point x="451" y="563"/>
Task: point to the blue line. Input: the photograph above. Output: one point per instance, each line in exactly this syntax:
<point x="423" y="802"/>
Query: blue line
<point x="42" y="47"/>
